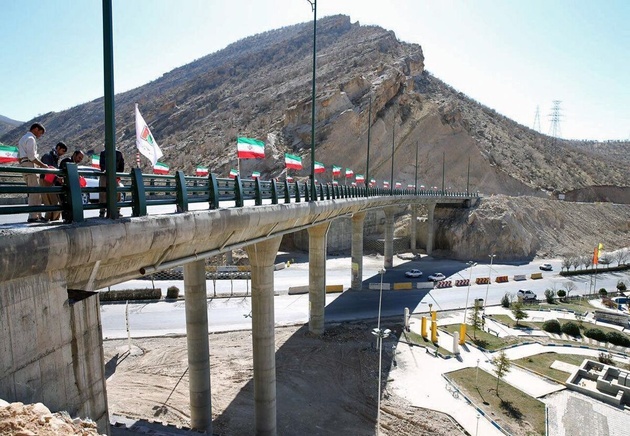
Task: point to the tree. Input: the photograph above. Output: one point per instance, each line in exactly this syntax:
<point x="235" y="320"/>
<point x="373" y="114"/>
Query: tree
<point x="621" y="286"/>
<point x="549" y="294"/>
<point x="605" y="259"/>
<point x="475" y="318"/>
<point x="621" y="256"/>
<point x="502" y="366"/>
<point x="570" y="287"/>
<point x="561" y="294"/>
<point x="505" y="300"/>
<point x="518" y="312"/>
<point x="586" y="260"/>
<point x="566" y="262"/>
<point x="575" y="262"/>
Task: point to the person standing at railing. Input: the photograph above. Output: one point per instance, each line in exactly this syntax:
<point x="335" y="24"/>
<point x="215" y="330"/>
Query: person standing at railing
<point x="76" y="158"/>
<point x="27" y="154"/>
<point x="52" y="160"/>
<point x="102" y="182"/>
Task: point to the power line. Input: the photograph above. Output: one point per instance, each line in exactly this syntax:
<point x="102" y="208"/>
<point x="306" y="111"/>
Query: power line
<point x="536" y="126"/>
<point x="555" y="117"/>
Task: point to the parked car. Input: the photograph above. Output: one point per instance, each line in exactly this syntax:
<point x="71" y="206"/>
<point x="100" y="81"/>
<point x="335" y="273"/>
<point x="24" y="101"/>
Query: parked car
<point x="526" y="294"/>
<point x="413" y="273"/>
<point x="546" y="267"/>
<point x="91" y="175"/>
<point x="436" y="277"/>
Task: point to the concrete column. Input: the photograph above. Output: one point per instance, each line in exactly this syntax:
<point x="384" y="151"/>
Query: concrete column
<point x="413" y="226"/>
<point x="261" y="258"/>
<point x="388" y="251"/>
<point x="430" y="229"/>
<point x="198" y="347"/>
<point x="357" y="251"/>
<point x="317" y="277"/>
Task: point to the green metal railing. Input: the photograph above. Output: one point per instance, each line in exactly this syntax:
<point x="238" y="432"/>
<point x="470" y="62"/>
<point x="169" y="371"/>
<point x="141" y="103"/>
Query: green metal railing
<point x="139" y="191"/>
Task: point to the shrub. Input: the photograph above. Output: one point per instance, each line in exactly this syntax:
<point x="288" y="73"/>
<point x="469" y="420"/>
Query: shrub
<point x="597" y="334"/>
<point x="172" y="292"/>
<point x="617" y="338"/>
<point x="549" y="294"/>
<point x="621" y="285"/>
<point x="609" y="303"/>
<point x="562" y="293"/>
<point x="552" y="326"/>
<point x="571" y="328"/>
<point x="505" y="301"/>
<point x="603" y="292"/>
<point x="605" y="358"/>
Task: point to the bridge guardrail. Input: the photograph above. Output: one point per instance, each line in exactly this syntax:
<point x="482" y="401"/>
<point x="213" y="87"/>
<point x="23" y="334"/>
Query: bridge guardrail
<point x="143" y="190"/>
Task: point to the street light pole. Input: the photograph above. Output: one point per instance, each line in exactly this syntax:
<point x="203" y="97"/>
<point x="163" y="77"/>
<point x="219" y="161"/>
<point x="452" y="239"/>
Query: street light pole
<point x="314" y="7"/>
<point x="367" y="165"/>
<point x="380" y="335"/>
<point x="485" y="302"/>
<point x="470" y="264"/>
<point x="477" y="373"/>
<point x="415" y="186"/>
<point x="391" y="186"/>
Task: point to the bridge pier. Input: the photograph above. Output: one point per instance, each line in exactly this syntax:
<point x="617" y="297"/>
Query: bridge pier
<point x="388" y="249"/>
<point x="317" y="276"/>
<point x="356" y="283"/>
<point x="413" y="227"/>
<point x="430" y="227"/>
<point x="198" y="346"/>
<point x="261" y="258"/>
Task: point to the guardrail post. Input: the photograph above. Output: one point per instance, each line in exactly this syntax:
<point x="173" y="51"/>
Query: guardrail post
<point x="182" y="192"/>
<point x="238" y="191"/>
<point x="138" y="197"/>
<point x="321" y="192"/>
<point x="297" y="192"/>
<point x="287" y="193"/>
<point x="213" y="191"/>
<point x="75" y="205"/>
<point x="274" y="192"/>
<point x="307" y="194"/>
<point x="327" y="192"/>
<point x="258" y="199"/>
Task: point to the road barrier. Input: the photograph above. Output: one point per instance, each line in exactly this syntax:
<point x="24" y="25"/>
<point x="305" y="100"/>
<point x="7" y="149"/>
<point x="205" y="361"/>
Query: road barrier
<point x="536" y="276"/>
<point x="334" y="288"/>
<point x="463" y="282"/>
<point x="501" y="279"/>
<point x="482" y="280"/>
<point x="403" y="285"/>
<point x="424" y="285"/>
<point x="376" y="286"/>
<point x="520" y="277"/>
<point x="444" y="284"/>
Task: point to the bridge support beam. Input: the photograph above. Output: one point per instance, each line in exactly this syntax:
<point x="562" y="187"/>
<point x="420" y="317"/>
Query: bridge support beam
<point x="430" y="227"/>
<point x="413" y="227"/>
<point x="317" y="276"/>
<point x="388" y="249"/>
<point x="198" y="346"/>
<point x="356" y="283"/>
<point x="261" y="257"/>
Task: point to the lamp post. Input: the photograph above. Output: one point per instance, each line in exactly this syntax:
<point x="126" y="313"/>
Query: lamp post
<point x="380" y="335"/>
<point x="391" y="184"/>
<point x="415" y="186"/>
<point x="470" y="264"/>
<point x="314" y="7"/>
<point x="477" y="428"/>
<point x="485" y="302"/>
<point x="477" y="373"/>
<point x="367" y="165"/>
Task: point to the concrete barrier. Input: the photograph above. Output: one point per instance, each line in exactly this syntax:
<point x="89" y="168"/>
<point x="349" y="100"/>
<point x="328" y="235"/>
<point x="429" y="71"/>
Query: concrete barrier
<point x="276" y="267"/>
<point x="424" y="285"/>
<point x="444" y="284"/>
<point x="519" y="277"/>
<point x="403" y="285"/>
<point x="462" y="282"/>
<point x="377" y="286"/>
<point x="295" y="290"/>
<point x="482" y="280"/>
<point x="501" y="279"/>
<point x="536" y="276"/>
<point x="131" y="294"/>
<point x="334" y="288"/>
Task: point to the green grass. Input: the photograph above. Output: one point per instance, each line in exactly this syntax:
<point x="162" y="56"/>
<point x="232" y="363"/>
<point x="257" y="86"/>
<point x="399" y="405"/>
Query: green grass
<point x="580" y="306"/>
<point x="483" y="339"/>
<point x="417" y="339"/>
<point x="507" y="320"/>
<point x="510" y="408"/>
<point x="541" y="364"/>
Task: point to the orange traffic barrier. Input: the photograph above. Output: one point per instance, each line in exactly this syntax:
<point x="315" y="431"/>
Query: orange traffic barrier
<point x="463" y="282"/>
<point x="482" y="280"/>
<point x="501" y="279"/>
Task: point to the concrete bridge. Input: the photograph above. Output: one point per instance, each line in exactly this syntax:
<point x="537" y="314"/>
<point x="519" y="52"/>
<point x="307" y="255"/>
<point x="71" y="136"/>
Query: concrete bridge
<point x="51" y="342"/>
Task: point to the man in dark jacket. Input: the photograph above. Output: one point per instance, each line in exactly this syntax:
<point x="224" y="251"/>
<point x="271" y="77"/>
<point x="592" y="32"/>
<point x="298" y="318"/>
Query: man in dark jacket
<point x="52" y="160"/>
<point x="120" y="167"/>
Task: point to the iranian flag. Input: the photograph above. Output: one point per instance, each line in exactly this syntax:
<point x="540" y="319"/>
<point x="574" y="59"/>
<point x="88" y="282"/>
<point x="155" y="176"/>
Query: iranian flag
<point x="8" y="154"/>
<point x="335" y="183"/>
<point x="398" y="185"/>
<point x="292" y="162"/>
<point x="319" y="167"/>
<point x="360" y="179"/>
<point x="411" y="186"/>
<point x="145" y="142"/>
<point x="336" y="171"/>
<point x="201" y="171"/>
<point x="354" y="184"/>
<point x="233" y="173"/>
<point x="289" y="179"/>
<point x="160" y="168"/>
<point x="248" y="148"/>
<point x="255" y="174"/>
<point x="372" y="182"/>
<point x="349" y="173"/>
<point x="96" y="161"/>
<point x="385" y="184"/>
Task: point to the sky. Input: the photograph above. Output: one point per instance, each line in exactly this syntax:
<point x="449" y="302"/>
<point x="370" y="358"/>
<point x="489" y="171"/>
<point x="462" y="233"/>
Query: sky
<point x="513" y="56"/>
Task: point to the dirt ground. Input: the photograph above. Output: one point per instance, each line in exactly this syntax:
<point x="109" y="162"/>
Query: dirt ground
<point x="325" y="385"/>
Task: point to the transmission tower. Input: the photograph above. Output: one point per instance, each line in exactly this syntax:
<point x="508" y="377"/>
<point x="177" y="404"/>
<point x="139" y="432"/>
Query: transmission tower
<point x="536" y="126"/>
<point x="555" y="117"/>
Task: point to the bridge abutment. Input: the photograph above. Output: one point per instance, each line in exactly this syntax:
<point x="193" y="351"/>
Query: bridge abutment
<point x="356" y="283"/>
<point x="430" y="227"/>
<point x="388" y="243"/>
<point x="317" y="276"/>
<point x="198" y="346"/>
<point x="261" y="258"/>
<point x="413" y="227"/>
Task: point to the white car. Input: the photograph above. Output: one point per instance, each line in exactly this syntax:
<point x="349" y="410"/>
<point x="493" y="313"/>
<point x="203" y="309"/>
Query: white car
<point x="437" y="277"/>
<point x="413" y="273"/>
<point x="526" y="294"/>
<point x="546" y="267"/>
<point x="92" y="182"/>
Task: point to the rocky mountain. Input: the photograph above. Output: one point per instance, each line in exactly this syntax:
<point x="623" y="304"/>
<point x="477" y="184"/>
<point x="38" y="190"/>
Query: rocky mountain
<point x="261" y="87"/>
<point x="7" y="124"/>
